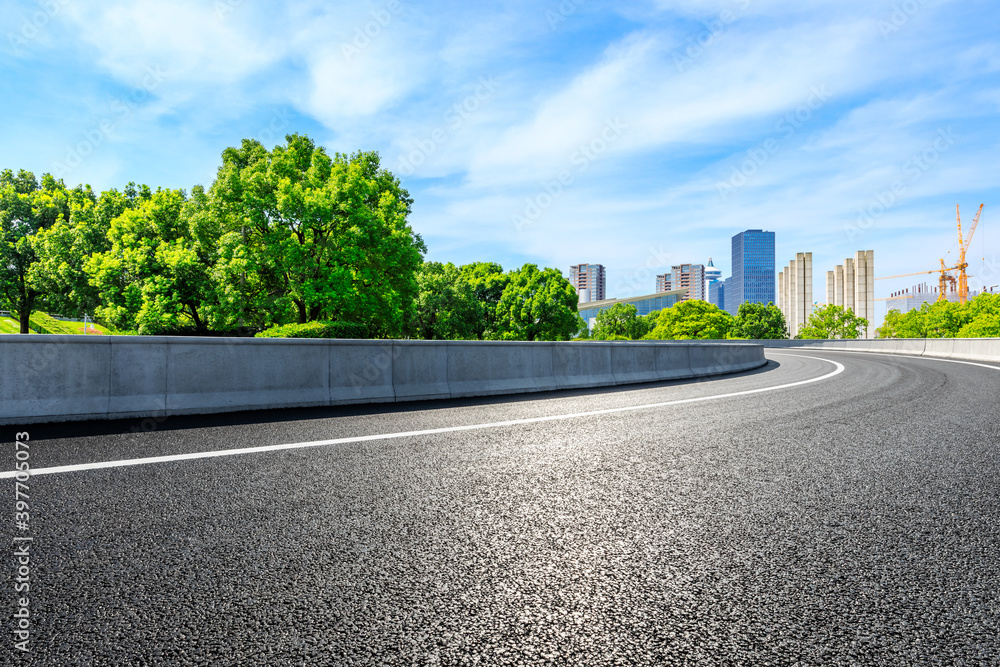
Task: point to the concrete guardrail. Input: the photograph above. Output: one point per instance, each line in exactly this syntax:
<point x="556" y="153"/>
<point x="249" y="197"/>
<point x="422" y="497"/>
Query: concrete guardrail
<point x="59" y="377"/>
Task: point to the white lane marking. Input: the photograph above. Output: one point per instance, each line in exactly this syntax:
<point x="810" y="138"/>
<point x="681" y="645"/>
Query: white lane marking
<point x="409" y="434"/>
<point x="886" y="354"/>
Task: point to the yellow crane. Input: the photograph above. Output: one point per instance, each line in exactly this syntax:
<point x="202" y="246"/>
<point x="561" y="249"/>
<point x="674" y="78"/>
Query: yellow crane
<point x="963" y="279"/>
<point x="962" y="284"/>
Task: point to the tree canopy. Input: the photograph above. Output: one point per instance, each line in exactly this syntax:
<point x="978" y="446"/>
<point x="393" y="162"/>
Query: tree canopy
<point x="621" y="321"/>
<point x="537" y="305"/>
<point x="833" y="322"/>
<point x="692" y="320"/>
<point x="759" y="322"/>
<point x="27" y="206"/>
<point x="979" y="318"/>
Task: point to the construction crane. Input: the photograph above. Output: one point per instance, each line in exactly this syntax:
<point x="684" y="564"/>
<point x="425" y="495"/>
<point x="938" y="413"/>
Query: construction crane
<point x="963" y="279"/>
<point x="962" y="284"/>
<point x="943" y="281"/>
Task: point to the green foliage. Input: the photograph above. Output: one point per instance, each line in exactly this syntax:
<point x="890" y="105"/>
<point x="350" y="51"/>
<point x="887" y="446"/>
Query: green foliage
<point x="446" y="307"/>
<point x="620" y="322"/>
<point x="64" y="248"/>
<point x="759" y="322"/>
<point x="309" y="237"/>
<point x="155" y="277"/>
<point x="692" y="320"/>
<point x="536" y="305"/>
<point x="316" y="330"/>
<point x="833" y="322"/>
<point x="979" y="318"/>
<point x="904" y="325"/>
<point x="26" y="208"/>
<point x="487" y="281"/>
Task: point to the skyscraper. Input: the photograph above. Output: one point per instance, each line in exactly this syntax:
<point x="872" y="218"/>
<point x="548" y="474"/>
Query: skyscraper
<point x="663" y="282"/>
<point x="690" y="277"/>
<point x="711" y="275"/>
<point x="753" y="269"/>
<point x="588" y="279"/>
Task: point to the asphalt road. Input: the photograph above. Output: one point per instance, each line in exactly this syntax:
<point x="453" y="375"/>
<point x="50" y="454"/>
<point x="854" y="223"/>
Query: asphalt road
<point x="849" y="520"/>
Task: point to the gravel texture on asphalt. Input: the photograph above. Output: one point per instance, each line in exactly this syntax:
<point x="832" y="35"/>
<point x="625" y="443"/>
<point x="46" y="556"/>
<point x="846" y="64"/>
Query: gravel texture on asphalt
<point x="849" y="521"/>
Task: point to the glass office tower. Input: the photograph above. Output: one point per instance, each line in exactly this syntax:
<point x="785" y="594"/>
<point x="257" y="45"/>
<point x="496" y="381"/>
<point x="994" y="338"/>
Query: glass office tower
<point x="753" y="269"/>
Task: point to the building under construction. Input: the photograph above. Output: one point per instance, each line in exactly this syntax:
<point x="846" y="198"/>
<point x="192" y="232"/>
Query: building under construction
<point x="913" y="298"/>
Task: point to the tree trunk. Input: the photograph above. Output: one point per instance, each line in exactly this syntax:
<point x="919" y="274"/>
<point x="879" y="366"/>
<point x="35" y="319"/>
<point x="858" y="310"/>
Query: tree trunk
<point x="302" y="311"/>
<point x="194" y="316"/>
<point x="24" y="314"/>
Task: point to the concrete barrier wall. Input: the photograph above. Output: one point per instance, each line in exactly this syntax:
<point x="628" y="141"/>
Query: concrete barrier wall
<point x="970" y="349"/>
<point x="59" y="378"/>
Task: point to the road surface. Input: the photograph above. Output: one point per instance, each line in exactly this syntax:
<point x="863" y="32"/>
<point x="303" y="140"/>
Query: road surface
<point x="831" y="508"/>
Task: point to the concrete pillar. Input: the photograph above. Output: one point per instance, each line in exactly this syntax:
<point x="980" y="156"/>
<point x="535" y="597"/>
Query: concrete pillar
<point x="807" y="295"/>
<point x="871" y="292"/>
<point x="838" y="285"/>
<point x="781" y="293"/>
<point x="793" y="296"/>
<point x="849" y="284"/>
<point x="830" y="289"/>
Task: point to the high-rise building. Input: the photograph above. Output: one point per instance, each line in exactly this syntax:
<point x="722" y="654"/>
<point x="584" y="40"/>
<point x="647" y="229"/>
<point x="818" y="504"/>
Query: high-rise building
<point x="588" y="279"/>
<point x="663" y="282"/>
<point x="711" y="275"/>
<point x="851" y="285"/>
<point x="753" y="269"/>
<point x="795" y="292"/>
<point x="690" y="277"/>
<point x="717" y="293"/>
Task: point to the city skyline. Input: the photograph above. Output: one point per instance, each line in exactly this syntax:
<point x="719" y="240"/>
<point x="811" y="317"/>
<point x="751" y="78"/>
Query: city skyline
<point x="848" y="124"/>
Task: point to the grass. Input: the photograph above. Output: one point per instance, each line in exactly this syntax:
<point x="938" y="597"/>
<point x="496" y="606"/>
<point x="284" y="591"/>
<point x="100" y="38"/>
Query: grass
<point x="42" y="323"/>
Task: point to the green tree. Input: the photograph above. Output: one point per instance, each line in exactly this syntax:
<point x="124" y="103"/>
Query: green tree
<point x="759" y="322"/>
<point x="833" y="322"/>
<point x="912" y="324"/>
<point x="64" y="247"/>
<point x="984" y="317"/>
<point x="487" y="281"/>
<point x="310" y="237"/>
<point x="26" y="208"/>
<point x="620" y="321"/>
<point x="946" y="318"/>
<point x="537" y="305"/>
<point x="446" y="307"/>
<point x="155" y="277"/>
<point x="692" y="320"/>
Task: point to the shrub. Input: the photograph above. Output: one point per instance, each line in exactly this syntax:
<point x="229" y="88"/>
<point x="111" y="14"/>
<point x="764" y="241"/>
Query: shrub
<point x="317" y="330"/>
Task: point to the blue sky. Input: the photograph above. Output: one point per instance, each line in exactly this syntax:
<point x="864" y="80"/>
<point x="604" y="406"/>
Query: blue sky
<point x="634" y="134"/>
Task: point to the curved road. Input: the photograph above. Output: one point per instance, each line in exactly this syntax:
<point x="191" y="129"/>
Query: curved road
<point x="850" y="516"/>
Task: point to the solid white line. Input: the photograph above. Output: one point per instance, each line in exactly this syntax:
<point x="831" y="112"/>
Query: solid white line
<point x="888" y="354"/>
<point x="409" y="434"/>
